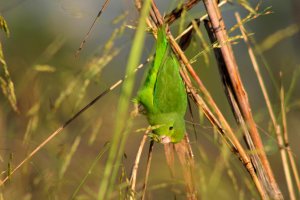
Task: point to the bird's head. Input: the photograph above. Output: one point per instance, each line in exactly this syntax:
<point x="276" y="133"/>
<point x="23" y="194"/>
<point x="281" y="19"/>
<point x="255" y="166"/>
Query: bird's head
<point x="168" y="127"/>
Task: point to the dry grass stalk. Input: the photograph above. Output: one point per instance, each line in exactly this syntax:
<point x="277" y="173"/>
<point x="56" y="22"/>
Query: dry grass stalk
<point x="282" y="146"/>
<point x="238" y="89"/>
<point x="289" y="151"/>
<point x="150" y="153"/>
<point x="235" y="109"/>
<point x="227" y="134"/>
<point x="105" y="4"/>
<point x="39" y="147"/>
<point x="132" y="181"/>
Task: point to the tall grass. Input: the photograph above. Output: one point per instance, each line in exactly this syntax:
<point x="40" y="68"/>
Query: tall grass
<point x="92" y="154"/>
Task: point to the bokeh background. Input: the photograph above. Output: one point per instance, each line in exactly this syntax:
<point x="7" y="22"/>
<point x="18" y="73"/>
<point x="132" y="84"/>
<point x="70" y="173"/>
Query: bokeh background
<point x="51" y="85"/>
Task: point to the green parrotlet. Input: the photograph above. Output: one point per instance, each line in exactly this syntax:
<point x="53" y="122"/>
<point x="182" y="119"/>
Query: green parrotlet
<point x="163" y="94"/>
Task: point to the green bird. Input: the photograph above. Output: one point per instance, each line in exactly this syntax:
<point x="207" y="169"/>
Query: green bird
<point x="163" y="94"/>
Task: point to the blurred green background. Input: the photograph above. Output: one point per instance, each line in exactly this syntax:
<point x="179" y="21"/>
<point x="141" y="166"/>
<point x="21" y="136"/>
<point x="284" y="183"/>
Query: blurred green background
<point x="51" y="85"/>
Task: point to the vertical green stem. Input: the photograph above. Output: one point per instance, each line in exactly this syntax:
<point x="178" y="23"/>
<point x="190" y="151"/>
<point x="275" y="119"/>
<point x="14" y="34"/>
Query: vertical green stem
<point x="114" y="153"/>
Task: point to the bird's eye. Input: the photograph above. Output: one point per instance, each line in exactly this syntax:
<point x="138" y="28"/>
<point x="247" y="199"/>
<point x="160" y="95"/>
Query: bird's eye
<point x="171" y="128"/>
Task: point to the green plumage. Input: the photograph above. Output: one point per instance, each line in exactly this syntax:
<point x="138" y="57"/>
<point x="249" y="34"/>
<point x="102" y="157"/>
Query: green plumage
<point x="163" y="94"/>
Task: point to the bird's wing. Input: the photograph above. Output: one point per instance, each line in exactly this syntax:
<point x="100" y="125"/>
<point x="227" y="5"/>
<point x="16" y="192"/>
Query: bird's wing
<point x="169" y="92"/>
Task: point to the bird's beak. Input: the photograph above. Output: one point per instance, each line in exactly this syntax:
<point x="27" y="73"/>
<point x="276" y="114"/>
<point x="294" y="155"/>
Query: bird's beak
<point x="165" y="139"/>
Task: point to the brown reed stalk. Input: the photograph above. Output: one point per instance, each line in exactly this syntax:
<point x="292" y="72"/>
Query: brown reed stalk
<point x="235" y="109"/>
<point x="280" y="141"/>
<point x="226" y="132"/>
<point x="240" y="94"/>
